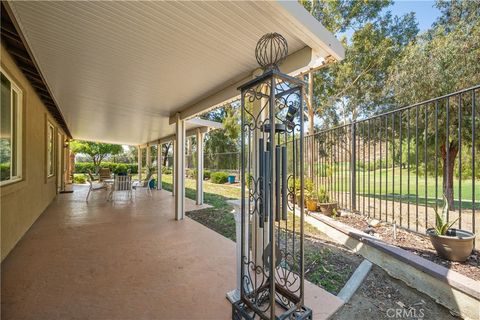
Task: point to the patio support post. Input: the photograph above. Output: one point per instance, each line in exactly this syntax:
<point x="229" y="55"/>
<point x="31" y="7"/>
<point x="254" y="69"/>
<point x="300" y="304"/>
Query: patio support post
<point x="173" y="167"/>
<point x="139" y="163"/>
<point x="159" y="166"/>
<point x="148" y="160"/>
<point x="179" y="177"/>
<point x="199" y="167"/>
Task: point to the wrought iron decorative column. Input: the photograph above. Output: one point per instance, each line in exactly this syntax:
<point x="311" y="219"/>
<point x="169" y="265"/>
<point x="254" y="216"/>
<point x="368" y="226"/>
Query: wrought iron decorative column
<point x="272" y="130"/>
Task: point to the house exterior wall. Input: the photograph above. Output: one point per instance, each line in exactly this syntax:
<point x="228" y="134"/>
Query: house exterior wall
<point x="24" y="201"/>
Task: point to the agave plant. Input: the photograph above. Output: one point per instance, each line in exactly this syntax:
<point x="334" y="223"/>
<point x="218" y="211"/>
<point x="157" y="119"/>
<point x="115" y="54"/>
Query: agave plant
<point x="441" y="223"/>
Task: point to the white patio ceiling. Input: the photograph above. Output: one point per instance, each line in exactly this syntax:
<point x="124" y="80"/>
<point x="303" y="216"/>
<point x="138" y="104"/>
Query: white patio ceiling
<point x="120" y="70"/>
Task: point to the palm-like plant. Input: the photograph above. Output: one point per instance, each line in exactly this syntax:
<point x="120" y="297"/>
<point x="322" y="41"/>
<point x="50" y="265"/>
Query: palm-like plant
<point x="441" y="223"/>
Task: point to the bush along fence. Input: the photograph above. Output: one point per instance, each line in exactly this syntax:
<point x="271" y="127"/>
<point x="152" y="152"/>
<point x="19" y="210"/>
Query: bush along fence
<point x="396" y="166"/>
<point x="83" y="167"/>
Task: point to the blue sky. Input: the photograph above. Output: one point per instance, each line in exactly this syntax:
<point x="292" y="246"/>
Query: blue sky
<point x="425" y="12"/>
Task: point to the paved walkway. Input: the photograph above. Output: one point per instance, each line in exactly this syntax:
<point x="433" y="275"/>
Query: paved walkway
<point x="124" y="260"/>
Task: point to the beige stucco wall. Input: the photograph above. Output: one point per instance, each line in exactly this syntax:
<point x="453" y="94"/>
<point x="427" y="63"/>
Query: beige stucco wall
<point x="24" y="201"/>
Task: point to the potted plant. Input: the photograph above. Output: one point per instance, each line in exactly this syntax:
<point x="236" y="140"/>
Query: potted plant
<point x="450" y="243"/>
<point x="311" y="200"/>
<point x="327" y="207"/>
<point x="121" y="169"/>
<point x="309" y="194"/>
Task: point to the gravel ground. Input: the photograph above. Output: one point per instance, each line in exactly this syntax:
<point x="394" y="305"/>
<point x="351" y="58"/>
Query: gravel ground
<point x="382" y="297"/>
<point x="416" y="243"/>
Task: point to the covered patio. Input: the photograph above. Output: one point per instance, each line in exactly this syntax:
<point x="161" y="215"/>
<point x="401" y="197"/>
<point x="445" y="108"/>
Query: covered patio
<point x="128" y="260"/>
<point x="132" y="73"/>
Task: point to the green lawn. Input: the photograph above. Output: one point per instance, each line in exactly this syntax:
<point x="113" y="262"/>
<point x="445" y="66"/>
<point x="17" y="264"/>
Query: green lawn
<point x="219" y="217"/>
<point x="389" y="181"/>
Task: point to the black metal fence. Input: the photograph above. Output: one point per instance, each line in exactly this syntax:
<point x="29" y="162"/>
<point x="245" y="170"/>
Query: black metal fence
<point x="391" y="166"/>
<point x="396" y="166"/>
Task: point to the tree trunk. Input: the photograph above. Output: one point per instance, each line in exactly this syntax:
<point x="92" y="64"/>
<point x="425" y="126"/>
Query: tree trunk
<point x="448" y="169"/>
<point x="165" y="157"/>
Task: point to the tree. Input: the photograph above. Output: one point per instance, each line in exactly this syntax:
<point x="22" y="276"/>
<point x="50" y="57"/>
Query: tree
<point x="443" y="60"/>
<point x="96" y="151"/>
<point x="165" y="152"/>
<point x="224" y="140"/>
<point x="353" y="87"/>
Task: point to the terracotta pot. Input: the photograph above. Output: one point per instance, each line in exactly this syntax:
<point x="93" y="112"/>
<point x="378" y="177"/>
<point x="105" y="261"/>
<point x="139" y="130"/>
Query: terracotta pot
<point x="328" y="208"/>
<point x="456" y="245"/>
<point x="311" y="205"/>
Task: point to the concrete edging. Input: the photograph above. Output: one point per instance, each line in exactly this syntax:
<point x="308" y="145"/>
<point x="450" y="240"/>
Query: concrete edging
<point x="355" y="281"/>
<point x="455" y="291"/>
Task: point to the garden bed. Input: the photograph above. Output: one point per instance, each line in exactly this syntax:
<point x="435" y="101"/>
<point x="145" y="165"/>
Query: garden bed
<point x="416" y="243"/>
<point x="327" y="264"/>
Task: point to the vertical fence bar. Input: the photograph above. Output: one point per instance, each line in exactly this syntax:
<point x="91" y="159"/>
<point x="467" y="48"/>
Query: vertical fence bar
<point x="425" y="164"/>
<point x="332" y="162"/>
<point x="369" y="181"/>
<point x="447" y="151"/>
<point x="337" y="172"/>
<point x="364" y="164"/>
<point x="401" y="167"/>
<point x="393" y="167"/>
<point x="386" y="168"/>
<point x="473" y="160"/>
<point x="374" y="176"/>
<point x="436" y="155"/>
<point x="380" y="167"/>
<point x="416" y="168"/>
<point x="357" y="163"/>
<point x="353" y="171"/>
<point x="408" y="168"/>
<point x="342" y="166"/>
<point x="460" y="161"/>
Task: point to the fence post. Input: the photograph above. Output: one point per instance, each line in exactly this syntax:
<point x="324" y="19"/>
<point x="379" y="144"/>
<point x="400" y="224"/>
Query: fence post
<point x="353" y="167"/>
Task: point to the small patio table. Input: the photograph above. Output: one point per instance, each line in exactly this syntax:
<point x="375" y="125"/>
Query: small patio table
<point x="109" y="183"/>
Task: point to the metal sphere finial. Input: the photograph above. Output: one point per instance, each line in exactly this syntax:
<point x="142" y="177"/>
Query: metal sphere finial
<point x="271" y="51"/>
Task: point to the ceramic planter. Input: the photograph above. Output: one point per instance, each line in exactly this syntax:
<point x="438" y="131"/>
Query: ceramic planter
<point x="456" y="245"/>
<point x="327" y="208"/>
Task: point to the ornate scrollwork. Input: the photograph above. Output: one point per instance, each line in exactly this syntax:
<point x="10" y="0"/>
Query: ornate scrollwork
<point x="271" y="51"/>
<point x="272" y="131"/>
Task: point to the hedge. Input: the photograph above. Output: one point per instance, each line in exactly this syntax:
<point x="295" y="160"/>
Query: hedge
<point x="79" y="178"/>
<point x="219" y="177"/>
<point x="82" y="167"/>
<point x="5" y="171"/>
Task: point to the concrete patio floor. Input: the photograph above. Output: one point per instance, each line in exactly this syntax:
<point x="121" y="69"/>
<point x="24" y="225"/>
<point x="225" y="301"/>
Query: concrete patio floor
<point x="124" y="260"/>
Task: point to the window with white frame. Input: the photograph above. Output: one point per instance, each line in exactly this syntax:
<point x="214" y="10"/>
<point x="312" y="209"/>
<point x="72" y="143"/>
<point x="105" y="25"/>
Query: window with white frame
<point x="10" y="131"/>
<point x="50" y="149"/>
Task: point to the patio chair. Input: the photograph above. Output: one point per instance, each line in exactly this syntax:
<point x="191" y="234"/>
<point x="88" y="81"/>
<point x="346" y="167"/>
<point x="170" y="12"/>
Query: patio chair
<point x="90" y="175"/>
<point x="104" y="173"/>
<point x="94" y="186"/>
<point x="144" y="184"/>
<point x="122" y="183"/>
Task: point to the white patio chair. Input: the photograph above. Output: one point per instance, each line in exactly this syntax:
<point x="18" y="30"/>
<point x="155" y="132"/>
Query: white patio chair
<point x="93" y="186"/>
<point x="144" y="184"/>
<point x="122" y="184"/>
